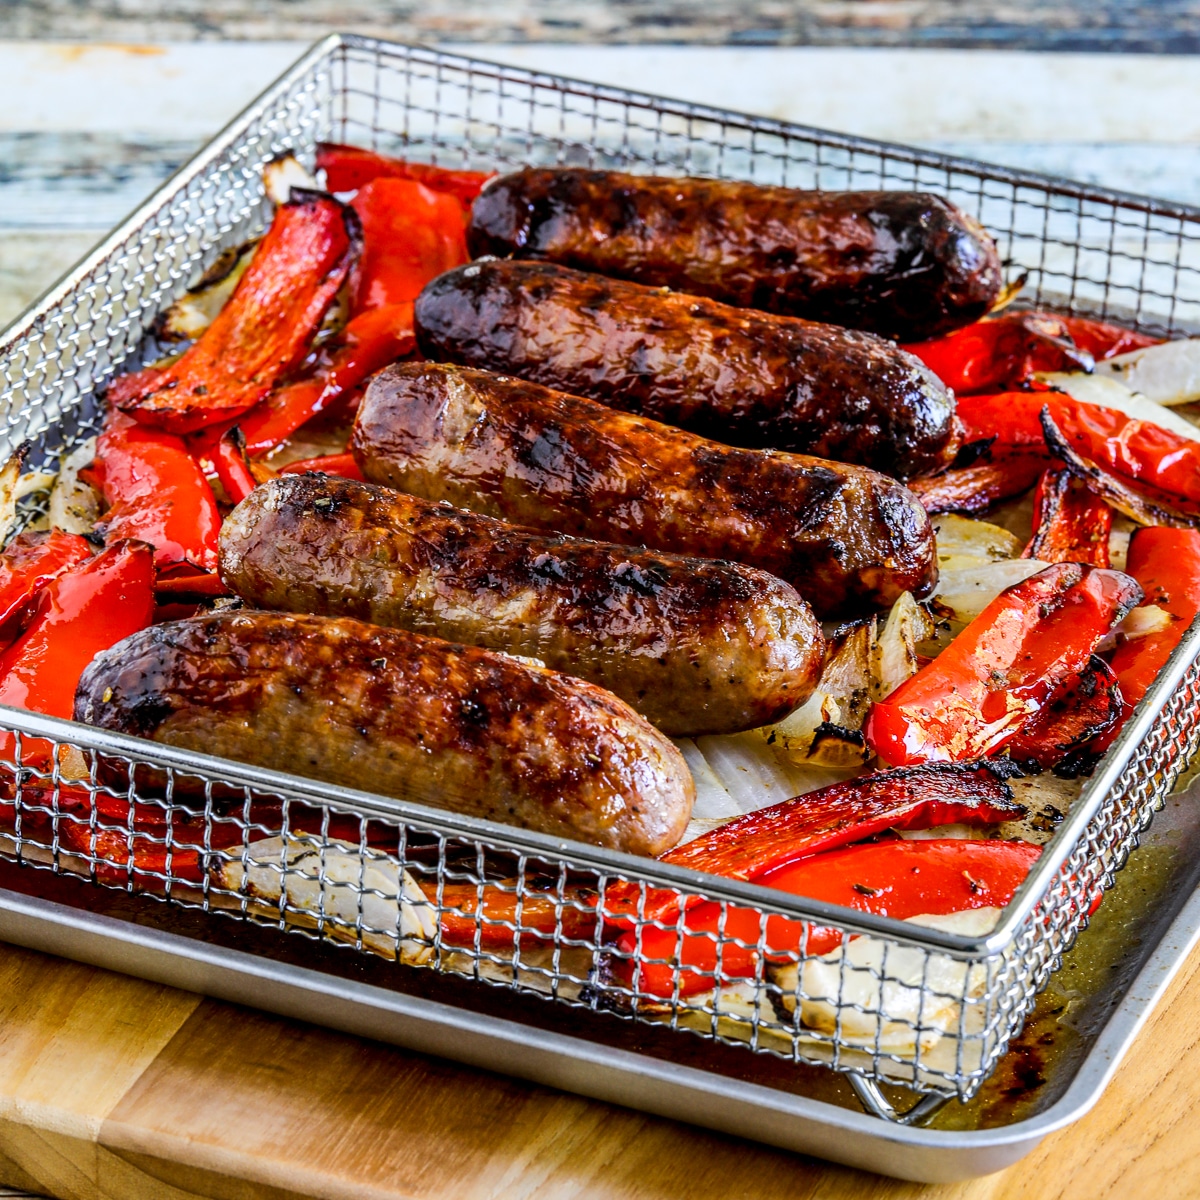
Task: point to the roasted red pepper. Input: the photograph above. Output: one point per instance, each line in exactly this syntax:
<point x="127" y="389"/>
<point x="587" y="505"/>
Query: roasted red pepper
<point x="410" y="236"/>
<point x="1070" y="523"/>
<point x="1000" y="671"/>
<point x="350" y="167"/>
<point x="1001" y="352"/>
<point x="155" y="492"/>
<point x="898" y="879"/>
<point x="1142" y="502"/>
<point x="1166" y="562"/>
<point x="27" y="564"/>
<point x="135" y="842"/>
<point x="1102" y="340"/>
<point x="233" y="470"/>
<point x="1135" y="449"/>
<point x="1059" y="736"/>
<point x="536" y="918"/>
<point x="770" y="838"/>
<point x="86" y="609"/>
<point x="261" y="333"/>
<point x="327" y="464"/>
<point x="369" y="342"/>
<point x="976" y="488"/>
<point x="1010" y="349"/>
<point x="185" y="580"/>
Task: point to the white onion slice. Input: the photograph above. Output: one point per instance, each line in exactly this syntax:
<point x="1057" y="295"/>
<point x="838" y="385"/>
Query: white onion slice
<point x="968" y="592"/>
<point x="1166" y="374"/>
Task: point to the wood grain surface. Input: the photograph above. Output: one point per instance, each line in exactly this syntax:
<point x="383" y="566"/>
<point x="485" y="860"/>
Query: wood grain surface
<point x="1160" y="26"/>
<point x="115" y="1089"/>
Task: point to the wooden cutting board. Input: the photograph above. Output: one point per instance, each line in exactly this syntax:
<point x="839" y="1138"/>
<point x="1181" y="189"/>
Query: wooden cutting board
<point x="123" y="1090"/>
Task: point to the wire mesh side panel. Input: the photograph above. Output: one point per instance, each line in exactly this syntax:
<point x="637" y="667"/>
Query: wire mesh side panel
<point x="547" y="924"/>
<point x="539" y="923"/>
<point x="49" y="373"/>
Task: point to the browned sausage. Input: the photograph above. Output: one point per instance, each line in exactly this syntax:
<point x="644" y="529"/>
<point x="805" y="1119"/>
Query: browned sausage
<point x="844" y="537"/>
<point x="695" y="646"/>
<point x="908" y="265"/>
<point x="739" y="376"/>
<point x="388" y="711"/>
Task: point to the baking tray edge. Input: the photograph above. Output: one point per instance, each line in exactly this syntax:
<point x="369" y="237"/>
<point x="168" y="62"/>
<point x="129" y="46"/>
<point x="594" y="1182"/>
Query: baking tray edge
<point x="586" y="1068"/>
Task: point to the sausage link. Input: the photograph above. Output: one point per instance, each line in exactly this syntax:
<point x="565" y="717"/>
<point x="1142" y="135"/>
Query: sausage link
<point x="845" y="537"/>
<point x="739" y="376"/>
<point x="695" y="646"/>
<point x="908" y="265"/>
<point x="415" y="718"/>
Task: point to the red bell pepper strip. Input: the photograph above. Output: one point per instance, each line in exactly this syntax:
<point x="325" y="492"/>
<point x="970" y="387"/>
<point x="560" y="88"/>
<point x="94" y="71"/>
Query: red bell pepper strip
<point x="155" y="492"/>
<point x="233" y="470"/>
<point x="1143" y="503"/>
<point x="28" y="563"/>
<point x="1070" y="523"/>
<point x="1001" y="352"/>
<point x="350" y="167"/>
<point x="261" y="333"/>
<point x="368" y="343"/>
<point x="410" y="236"/>
<point x="1102" y="340"/>
<point x="1133" y="448"/>
<point x="129" y="842"/>
<point x="770" y="838"/>
<point x="86" y="609"/>
<point x="1166" y="562"/>
<point x="1085" y="706"/>
<point x="976" y="488"/>
<point x="327" y="464"/>
<point x="899" y="879"/>
<point x="1009" y="349"/>
<point x="372" y="340"/>
<point x="536" y="919"/>
<point x="1000" y="671"/>
<point x="185" y="580"/>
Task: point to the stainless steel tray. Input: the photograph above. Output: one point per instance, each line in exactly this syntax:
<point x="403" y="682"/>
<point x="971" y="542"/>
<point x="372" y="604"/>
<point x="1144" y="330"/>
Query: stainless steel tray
<point x="369" y="875"/>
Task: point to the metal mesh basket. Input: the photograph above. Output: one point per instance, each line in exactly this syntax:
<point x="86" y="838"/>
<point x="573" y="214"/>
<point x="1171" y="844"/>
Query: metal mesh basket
<point x="894" y="1001"/>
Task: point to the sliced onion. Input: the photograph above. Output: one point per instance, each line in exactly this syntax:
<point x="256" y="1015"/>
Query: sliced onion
<point x="282" y="174"/>
<point x="964" y="542"/>
<point x="968" y="592"/>
<point x="74" y="506"/>
<point x="754" y="775"/>
<point x="713" y="802"/>
<point x="1165" y="374"/>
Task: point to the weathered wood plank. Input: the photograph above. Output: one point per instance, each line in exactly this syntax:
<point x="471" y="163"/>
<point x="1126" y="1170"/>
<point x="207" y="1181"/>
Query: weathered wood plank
<point x="1156" y="26"/>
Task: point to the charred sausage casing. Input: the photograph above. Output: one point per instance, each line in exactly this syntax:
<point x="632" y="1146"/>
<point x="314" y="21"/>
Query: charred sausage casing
<point x="739" y="376"/>
<point x="845" y="537"/>
<point x="417" y="718"/>
<point x="695" y="646"/>
<point x="907" y="265"/>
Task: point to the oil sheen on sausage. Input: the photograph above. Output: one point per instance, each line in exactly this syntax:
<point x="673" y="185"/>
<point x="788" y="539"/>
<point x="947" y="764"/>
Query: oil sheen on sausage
<point x="740" y="376"/>
<point x="845" y="537"/>
<point x="384" y="710"/>
<point x="695" y="646"/>
<point x="908" y="265"/>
